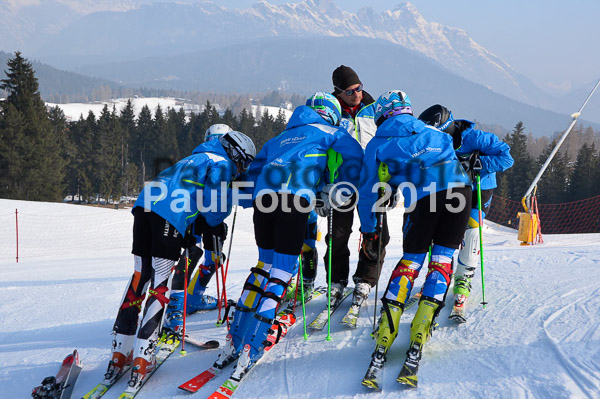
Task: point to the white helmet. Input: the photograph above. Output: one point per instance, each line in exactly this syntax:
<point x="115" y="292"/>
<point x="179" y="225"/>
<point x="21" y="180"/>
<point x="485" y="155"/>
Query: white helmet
<point x="216" y="131"/>
<point x="239" y="147"/>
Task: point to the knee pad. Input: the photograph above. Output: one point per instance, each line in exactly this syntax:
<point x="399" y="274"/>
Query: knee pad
<point x="257" y="280"/>
<point x="284" y="267"/>
<point x="403" y="277"/>
<point x="437" y="280"/>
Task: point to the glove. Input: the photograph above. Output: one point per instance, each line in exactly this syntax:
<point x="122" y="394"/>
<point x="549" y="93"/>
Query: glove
<point x="471" y="163"/>
<point x="332" y="196"/>
<point x="189" y="240"/>
<point x="219" y="231"/>
<point x="370" y="245"/>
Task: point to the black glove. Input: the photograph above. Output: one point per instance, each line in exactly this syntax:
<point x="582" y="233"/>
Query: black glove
<point x="219" y="231"/>
<point x="370" y="245"/>
<point x="189" y="240"/>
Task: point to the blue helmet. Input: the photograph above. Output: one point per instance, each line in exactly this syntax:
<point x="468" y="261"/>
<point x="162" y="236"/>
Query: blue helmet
<point x="327" y="106"/>
<point x="390" y="103"/>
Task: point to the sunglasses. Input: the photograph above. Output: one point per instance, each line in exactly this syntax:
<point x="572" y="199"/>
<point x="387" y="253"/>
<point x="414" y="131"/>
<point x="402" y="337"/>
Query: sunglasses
<point x="351" y="91"/>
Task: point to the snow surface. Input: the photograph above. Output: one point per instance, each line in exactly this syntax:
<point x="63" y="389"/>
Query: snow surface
<point x="538" y="337"/>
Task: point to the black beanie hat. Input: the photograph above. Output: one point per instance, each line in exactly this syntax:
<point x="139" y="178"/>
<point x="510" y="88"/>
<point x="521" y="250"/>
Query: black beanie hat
<point x="343" y="77"/>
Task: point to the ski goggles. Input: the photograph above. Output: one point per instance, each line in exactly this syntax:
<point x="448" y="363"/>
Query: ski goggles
<point x="351" y="91"/>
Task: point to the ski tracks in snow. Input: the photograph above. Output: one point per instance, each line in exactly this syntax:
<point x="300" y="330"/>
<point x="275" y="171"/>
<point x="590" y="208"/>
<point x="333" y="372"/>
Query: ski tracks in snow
<point x="585" y="378"/>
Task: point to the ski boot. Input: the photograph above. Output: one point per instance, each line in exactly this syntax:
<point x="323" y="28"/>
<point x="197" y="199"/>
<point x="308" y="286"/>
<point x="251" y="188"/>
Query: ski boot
<point x="420" y="331"/>
<point x="458" y="310"/>
<point x="337" y="290"/>
<point x="290" y="292"/>
<point x="462" y="290"/>
<point x="174" y="313"/>
<point x="141" y="368"/>
<point x="361" y="293"/>
<point x="199" y="302"/>
<point x="387" y="331"/>
<point x="144" y="362"/>
<point x="228" y="354"/>
<point x="121" y="358"/>
<point x="308" y="285"/>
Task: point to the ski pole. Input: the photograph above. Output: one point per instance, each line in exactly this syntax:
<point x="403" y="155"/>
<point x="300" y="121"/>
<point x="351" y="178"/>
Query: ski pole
<point x="217" y="278"/>
<point x="384" y="177"/>
<point x="301" y="282"/>
<point x="380" y="228"/>
<point x="187" y="260"/>
<point x="481" y="239"/>
<point x="223" y="298"/>
<point x="328" y="338"/>
<point x="334" y="160"/>
<point x="230" y="244"/>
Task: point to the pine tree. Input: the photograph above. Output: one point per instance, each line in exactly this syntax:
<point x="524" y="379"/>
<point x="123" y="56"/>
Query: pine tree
<point x="107" y="170"/>
<point x="13" y="153"/>
<point x="142" y="147"/>
<point x="128" y="168"/>
<point x="163" y="142"/>
<point x="582" y="177"/>
<point x="264" y="131"/>
<point x="246" y="122"/>
<point x="552" y="186"/>
<point x="520" y="176"/>
<point x="280" y="122"/>
<point x="229" y="119"/>
<point x="41" y="173"/>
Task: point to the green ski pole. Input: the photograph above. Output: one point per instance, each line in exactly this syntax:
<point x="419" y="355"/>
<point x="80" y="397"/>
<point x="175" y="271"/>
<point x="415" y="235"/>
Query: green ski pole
<point x="334" y="160"/>
<point x="301" y="282"/>
<point x="384" y="177"/>
<point x="481" y="239"/>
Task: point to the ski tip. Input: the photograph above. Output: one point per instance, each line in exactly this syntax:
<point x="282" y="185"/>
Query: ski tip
<point x="408" y="381"/>
<point x="213" y="344"/>
<point x="371" y="385"/>
<point x="458" y="319"/>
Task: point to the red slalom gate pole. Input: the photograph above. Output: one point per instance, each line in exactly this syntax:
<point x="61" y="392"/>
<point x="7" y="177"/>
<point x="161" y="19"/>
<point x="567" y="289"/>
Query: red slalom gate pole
<point x="17" y="229"/>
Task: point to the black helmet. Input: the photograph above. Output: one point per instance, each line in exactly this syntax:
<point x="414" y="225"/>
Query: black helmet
<point x="439" y="117"/>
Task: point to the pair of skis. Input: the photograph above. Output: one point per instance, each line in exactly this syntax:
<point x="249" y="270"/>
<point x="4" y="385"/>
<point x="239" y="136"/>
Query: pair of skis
<point x="60" y="386"/>
<point x="166" y="346"/>
<point x="227" y="389"/>
<point x="408" y="373"/>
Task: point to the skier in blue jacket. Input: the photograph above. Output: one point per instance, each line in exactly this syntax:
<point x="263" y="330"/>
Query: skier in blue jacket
<point x="288" y="173"/>
<point x="198" y="277"/>
<point x="472" y="146"/>
<point x="195" y="189"/>
<point x="418" y="161"/>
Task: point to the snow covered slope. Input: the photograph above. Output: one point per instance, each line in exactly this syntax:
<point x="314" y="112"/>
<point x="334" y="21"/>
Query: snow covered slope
<point x="539" y="337"/>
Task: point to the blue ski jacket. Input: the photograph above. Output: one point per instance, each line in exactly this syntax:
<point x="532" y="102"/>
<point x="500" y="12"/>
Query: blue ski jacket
<point x="414" y="153"/>
<point x="196" y="185"/>
<point x="494" y="153"/>
<point x="296" y="160"/>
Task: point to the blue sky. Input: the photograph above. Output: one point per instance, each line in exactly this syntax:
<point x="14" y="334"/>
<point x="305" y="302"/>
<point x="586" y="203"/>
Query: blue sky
<point x="552" y="42"/>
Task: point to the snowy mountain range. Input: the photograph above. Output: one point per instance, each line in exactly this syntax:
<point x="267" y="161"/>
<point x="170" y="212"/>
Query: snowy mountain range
<point x="190" y="44"/>
<point x="186" y="26"/>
